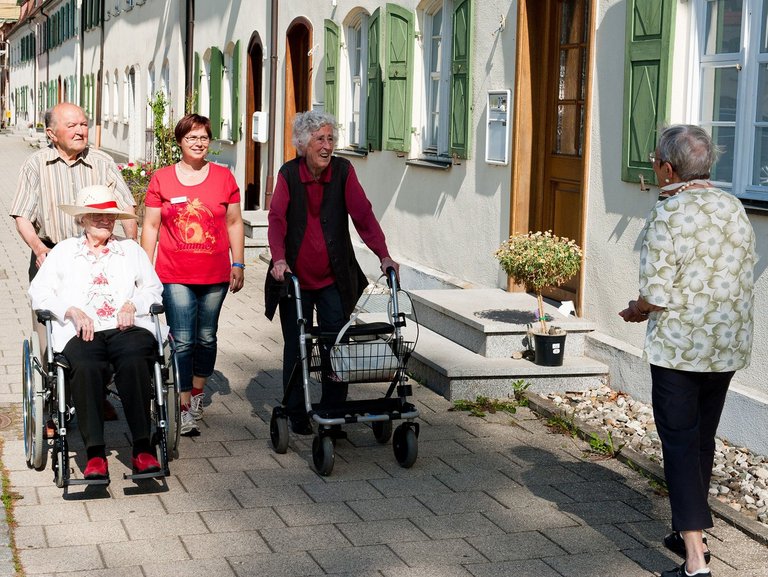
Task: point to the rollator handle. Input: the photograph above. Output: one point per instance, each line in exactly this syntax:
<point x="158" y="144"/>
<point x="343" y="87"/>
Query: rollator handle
<point x="391" y="277"/>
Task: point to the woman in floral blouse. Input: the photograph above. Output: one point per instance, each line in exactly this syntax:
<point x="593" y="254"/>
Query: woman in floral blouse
<point x="99" y="288"/>
<point x="696" y="281"/>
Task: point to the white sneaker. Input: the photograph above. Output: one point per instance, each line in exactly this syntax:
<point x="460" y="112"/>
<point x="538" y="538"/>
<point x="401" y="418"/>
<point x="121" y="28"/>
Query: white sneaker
<point x="188" y="426"/>
<point x="196" y="406"/>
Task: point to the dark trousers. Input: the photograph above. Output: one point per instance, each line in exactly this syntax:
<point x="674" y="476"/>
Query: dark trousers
<point x="330" y="318"/>
<point x="687" y="408"/>
<point x="130" y="353"/>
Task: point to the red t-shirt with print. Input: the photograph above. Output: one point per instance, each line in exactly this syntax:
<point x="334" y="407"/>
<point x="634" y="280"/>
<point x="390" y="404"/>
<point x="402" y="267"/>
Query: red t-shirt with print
<point x="193" y="243"/>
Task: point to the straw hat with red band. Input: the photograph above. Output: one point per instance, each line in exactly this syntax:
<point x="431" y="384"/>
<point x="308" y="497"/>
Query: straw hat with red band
<point x="96" y="199"/>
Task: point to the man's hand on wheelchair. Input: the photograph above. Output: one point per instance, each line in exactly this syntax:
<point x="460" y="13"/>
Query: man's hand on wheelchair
<point x="83" y="323"/>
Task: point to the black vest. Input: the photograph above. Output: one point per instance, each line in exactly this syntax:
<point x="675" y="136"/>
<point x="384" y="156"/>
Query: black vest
<point x="334" y="221"/>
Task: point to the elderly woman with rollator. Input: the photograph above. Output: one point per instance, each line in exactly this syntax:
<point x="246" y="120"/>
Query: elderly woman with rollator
<point x="696" y="282"/>
<point x="315" y="196"/>
<point x="99" y="288"/>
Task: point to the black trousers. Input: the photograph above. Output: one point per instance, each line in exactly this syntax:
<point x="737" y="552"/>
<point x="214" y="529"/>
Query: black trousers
<point x="330" y="318"/>
<point x="130" y="353"/>
<point x="687" y="408"/>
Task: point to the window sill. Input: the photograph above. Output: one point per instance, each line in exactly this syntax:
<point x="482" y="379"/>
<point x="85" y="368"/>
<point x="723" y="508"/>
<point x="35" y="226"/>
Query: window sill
<point x="433" y="163"/>
<point x="355" y="152"/>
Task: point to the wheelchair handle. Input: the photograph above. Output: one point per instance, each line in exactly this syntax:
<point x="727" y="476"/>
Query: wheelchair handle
<point x="156" y="309"/>
<point x="43" y="316"/>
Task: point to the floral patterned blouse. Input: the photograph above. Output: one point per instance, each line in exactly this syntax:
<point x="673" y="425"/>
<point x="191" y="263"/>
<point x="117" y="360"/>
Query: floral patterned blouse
<point x="697" y="261"/>
<point x="98" y="285"/>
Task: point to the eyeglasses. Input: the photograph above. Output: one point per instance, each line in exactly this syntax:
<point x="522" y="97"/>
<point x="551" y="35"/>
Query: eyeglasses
<point x="102" y="217"/>
<point x="196" y="139"/>
<point x="653" y="158"/>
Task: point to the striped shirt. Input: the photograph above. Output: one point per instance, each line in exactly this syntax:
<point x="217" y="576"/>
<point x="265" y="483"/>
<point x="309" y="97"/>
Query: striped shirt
<point x="46" y="181"/>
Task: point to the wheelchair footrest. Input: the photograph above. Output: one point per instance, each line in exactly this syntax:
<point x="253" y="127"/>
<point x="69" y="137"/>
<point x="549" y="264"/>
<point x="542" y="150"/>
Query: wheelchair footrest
<point x="87" y="481"/>
<point x="152" y="475"/>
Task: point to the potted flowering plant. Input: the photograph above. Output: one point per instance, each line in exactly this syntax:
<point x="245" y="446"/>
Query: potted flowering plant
<point x="538" y="260"/>
<point x="137" y="177"/>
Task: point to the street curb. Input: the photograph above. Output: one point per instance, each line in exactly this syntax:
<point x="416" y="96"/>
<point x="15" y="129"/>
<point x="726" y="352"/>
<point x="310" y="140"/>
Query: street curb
<point x="546" y="408"/>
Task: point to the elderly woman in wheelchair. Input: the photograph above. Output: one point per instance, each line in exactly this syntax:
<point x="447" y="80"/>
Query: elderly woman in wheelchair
<point x="97" y="294"/>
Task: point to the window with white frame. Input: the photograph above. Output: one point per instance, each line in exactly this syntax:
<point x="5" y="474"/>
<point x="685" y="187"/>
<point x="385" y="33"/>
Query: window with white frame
<point x="357" y="55"/>
<point x="204" y="95"/>
<point x="227" y="122"/>
<point x="115" y="96"/>
<point x="732" y="78"/>
<point x="105" y="97"/>
<point x="436" y="41"/>
<point x="126" y="97"/>
<point x="165" y="88"/>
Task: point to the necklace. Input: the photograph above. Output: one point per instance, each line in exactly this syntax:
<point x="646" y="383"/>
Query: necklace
<point x="678" y="187"/>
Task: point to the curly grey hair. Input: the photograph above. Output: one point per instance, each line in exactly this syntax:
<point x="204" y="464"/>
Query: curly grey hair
<point x="689" y="149"/>
<point x="307" y="123"/>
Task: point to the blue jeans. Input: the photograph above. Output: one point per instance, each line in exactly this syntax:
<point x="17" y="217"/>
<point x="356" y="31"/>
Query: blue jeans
<point x="192" y="312"/>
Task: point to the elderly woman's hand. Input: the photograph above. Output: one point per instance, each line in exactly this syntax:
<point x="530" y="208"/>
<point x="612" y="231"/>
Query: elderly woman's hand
<point x="279" y="268"/>
<point x="83" y="323"/>
<point x="126" y="315"/>
<point x="386" y="263"/>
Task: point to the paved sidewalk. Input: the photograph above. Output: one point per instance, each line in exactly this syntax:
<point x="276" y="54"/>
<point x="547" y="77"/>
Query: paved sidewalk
<point x="499" y="496"/>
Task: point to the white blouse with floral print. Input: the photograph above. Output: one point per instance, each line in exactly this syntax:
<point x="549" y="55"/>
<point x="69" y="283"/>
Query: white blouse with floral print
<point x="697" y="261"/>
<point x="98" y="285"/>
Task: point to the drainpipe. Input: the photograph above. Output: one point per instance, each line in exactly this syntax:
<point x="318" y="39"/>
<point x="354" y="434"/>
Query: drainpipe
<point x="35" y="97"/>
<point x="47" y="51"/>
<point x="272" y="98"/>
<point x="99" y="78"/>
<point x="189" y="68"/>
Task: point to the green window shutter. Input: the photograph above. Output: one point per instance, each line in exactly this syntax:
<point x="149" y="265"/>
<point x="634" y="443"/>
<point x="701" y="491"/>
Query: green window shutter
<point x="217" y="70"/>
<point x="235" y="74"/>
<point x="196" y="81"/>
<point x="373" y="103"/>
<point x="649" y="30"/>
<point x="331" y="92"/>
<point x="461" y="79"/>
<point x="398" y="74"/>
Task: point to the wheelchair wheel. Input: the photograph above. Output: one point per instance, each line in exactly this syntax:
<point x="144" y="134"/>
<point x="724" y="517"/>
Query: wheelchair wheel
<point x="174" y="417"/>
<point x="405" y="445"/>
<point x="33" y="409"/>
<point x="60" y="463"/>
<point x="322" y="454"/>
<point x="382" y="431"/>
<point x="278" y="431"/>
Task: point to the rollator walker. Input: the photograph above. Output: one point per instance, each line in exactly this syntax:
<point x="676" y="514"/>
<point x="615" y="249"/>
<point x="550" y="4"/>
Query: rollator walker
<point x="359" y="353"/>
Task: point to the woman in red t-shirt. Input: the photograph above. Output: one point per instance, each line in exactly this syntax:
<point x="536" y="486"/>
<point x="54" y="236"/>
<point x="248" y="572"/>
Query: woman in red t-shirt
<point x="193" y="207"/>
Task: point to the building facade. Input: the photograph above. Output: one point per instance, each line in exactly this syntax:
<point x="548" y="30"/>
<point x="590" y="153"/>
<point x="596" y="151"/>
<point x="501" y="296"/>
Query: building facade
<point x="466" y="121"/>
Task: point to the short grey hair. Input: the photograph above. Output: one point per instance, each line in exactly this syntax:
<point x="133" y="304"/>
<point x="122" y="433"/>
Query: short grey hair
<point x="689" y="149"/>
<point x="307" y="123"/>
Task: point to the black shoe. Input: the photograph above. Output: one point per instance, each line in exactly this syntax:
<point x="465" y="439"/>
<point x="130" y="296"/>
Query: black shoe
<point x="674" y="542"/>
<point x="680" y="572"/>
<point x="301" y="426"/>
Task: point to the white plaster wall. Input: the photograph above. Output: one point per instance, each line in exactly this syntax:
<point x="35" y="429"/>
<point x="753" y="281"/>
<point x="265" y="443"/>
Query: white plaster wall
<point x="149" y="33"/>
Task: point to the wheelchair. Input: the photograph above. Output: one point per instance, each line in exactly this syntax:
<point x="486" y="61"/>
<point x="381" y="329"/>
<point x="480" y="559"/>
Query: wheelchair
<point x="46" y="411"/>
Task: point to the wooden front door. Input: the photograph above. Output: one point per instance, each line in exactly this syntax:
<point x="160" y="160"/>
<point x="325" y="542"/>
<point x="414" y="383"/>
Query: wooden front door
<point x="298" y="76"/>
<point x="253" y="104"/>
<point x="551" y="100"/>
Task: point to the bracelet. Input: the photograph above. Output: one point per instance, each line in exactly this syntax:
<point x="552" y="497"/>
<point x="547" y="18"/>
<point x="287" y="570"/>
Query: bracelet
<point x="238" y="265"/>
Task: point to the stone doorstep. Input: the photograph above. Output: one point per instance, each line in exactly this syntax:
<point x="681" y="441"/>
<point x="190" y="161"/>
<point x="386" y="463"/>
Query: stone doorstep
<point x="491" y="322"/>
<point x="458" y="373"/>
<point x="648" y="468"/>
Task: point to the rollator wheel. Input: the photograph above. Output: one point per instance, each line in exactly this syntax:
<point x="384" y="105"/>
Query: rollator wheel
<point x="322" y="454"/>
<point x="278" y="432"/>
<point x="33" y="409"/>
<point x="382" y="431"/>
<point x="405" y="445"/>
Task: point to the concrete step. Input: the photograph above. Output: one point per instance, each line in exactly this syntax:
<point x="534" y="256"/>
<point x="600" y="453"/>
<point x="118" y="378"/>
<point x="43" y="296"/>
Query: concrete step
<point x="491" y="322"/>
<point x="255" y="222"/>
<point x="458" y="373"/>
